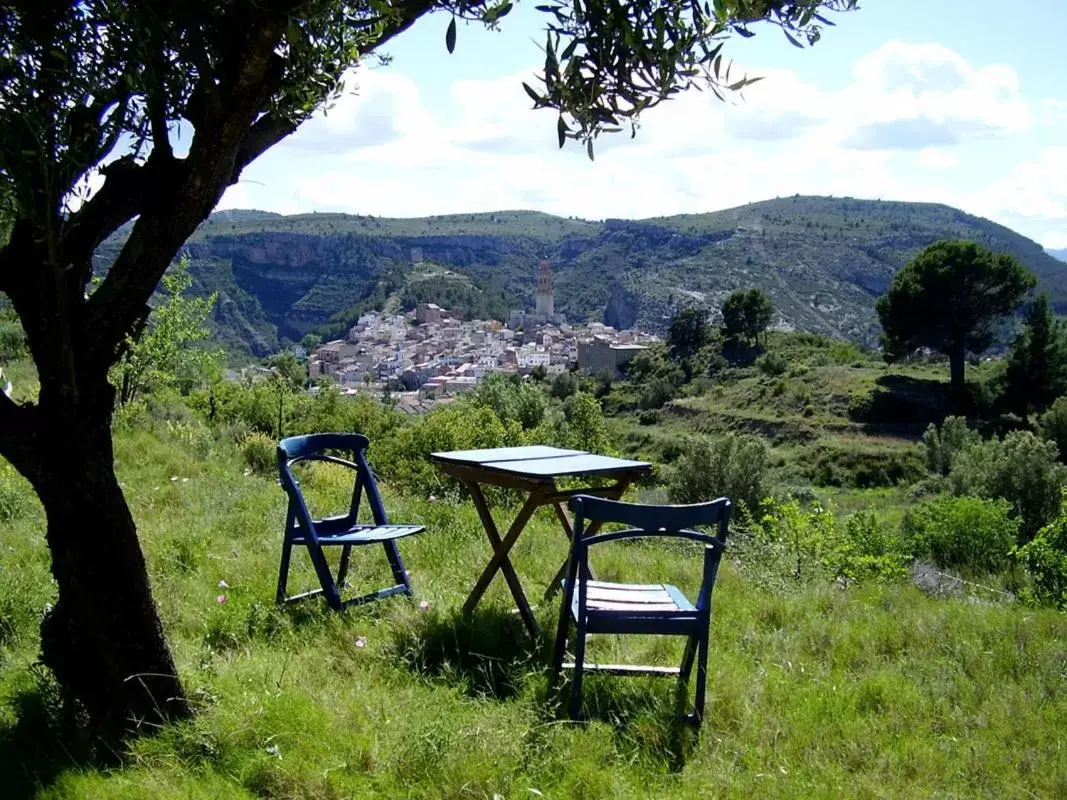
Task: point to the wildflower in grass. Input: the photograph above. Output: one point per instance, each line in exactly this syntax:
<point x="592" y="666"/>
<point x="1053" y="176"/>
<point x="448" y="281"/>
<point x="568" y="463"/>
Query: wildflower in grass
<point x="221" y="599"/>
<point x="424" y="605"/>
<point x="224" y="585"/>
<point x="361" y="641"/>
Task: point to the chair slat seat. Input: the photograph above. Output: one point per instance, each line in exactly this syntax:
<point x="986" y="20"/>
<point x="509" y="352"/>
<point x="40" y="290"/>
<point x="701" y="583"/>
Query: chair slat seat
<point x="364" y="534"/>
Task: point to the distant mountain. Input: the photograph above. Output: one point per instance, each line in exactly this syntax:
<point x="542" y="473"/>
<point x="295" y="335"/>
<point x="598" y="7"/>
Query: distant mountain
<point x="1060" y="254"/>
<point x="823" y="261"/>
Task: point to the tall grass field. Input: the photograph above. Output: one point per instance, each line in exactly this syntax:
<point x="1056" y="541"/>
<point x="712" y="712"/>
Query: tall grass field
<point x="816" y="688"/>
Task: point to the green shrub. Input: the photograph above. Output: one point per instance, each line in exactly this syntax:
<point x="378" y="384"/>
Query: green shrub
<point x="942" y="444"/>
<point x="402" y="458"/>
<point x="772" y="364"/>
<point x="585" y="428"/>
<point x="1052" y="425"/>
<point x="649" y="416"/>
<point x="1045" y="560"/>
<point x="869" y="549"/>
<point x="788" y="544"/>
<point x="260" y="453"/>
<point x="733" y="466"/>
<point x="962" y="532"/>
<point x="512" y="399"/>
<point x="564" y="385"/>
<point x="656" y="393"/>
<point x="1020" y="468"/>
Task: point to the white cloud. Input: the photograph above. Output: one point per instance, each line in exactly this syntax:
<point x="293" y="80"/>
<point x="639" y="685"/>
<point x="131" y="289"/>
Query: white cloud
<point x="936" y="158"/>
<point x="910" y="96"/>
<point x="897" y="130"/>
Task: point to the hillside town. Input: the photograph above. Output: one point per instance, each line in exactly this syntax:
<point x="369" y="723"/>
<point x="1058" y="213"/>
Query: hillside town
<point x="434" y="352"/>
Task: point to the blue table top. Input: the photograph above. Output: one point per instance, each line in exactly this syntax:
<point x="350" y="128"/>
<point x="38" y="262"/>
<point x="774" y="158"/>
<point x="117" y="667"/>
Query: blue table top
<point x="539" y="461"/>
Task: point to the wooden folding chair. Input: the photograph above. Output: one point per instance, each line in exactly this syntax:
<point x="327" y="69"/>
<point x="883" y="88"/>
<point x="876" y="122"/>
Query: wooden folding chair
<point x="343" y="531"/>
<point x="601" y="607"/>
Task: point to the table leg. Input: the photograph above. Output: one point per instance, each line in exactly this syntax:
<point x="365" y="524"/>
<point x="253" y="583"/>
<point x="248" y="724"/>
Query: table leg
<point x="612" y="493"/>
<point x="500" y="560"/>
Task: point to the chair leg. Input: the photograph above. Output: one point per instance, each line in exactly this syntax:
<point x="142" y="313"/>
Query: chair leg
<point x="579" y="669"/>
<point x="322" y="570"/>
<point x="283" y="571"/>
<point x="688" y="657"/>
<point x="560" y="650"/>
<point x="702" y="678"/>
<point x="342" y="569"/>
<point x="396" y="564"/>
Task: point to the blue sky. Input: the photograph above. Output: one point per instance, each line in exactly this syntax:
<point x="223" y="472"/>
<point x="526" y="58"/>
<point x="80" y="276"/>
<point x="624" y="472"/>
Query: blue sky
<point x="956" y="101"/>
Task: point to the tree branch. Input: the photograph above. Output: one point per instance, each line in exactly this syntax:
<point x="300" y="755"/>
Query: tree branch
<point x="170" y="212"/>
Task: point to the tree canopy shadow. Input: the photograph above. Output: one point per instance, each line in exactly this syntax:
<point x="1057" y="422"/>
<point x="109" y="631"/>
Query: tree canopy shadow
<point x="904" y="401"/>
<point x="488" y="653"/>
<point x="649" y="716"/>
<point x="46" y="738"/>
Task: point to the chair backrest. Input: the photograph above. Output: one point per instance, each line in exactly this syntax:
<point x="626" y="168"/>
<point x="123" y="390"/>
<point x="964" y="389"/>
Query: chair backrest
<point x="646" y="521"/>
<point x="318" y="447"/>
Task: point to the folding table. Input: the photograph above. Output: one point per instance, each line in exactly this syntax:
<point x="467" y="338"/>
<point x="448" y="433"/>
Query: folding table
<point x="533" y="470"/>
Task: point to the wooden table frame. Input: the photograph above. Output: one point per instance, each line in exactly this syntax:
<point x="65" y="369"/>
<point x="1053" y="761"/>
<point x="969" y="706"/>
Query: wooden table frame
<point x="541" y="491"/>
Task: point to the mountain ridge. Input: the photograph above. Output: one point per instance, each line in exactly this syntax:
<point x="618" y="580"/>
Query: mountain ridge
<point x="823" y="260"/>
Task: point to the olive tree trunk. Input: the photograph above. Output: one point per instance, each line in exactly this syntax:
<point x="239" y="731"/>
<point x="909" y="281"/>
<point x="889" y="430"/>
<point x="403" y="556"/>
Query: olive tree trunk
<point x="102" y="639"/>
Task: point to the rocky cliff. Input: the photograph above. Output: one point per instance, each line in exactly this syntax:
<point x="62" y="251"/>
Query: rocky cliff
<point x="823" y="261"/>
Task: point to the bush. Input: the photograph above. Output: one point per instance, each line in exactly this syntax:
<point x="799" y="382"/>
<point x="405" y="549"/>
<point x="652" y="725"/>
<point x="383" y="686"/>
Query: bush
<point x="1045" y="559"/>
<point x="1022" y="469"/>
<point x="772" y="364"/>
<point x="514" y="400"/>
<point x="733" y="466"/>
<point x="870" y="549"/>
<point x="943" y="444"/>
<point x="962" y="532"/>
<point x="656" y="393"/>
<point x="260" y="453"/>
<point x="564" y="385"/>
<point x="1052" y="425"/>
<point x="650" y="416"/>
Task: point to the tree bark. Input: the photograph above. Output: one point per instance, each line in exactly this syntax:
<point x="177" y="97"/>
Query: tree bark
<point x="957" y="362"/>
<point x="103" y="639"/>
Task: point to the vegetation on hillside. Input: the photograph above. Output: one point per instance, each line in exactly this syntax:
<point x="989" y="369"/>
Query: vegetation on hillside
<point x="821" y="261"/>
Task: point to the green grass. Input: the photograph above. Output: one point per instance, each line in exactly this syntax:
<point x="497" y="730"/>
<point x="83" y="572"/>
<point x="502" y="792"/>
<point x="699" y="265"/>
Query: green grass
<point x="815" y="691"/>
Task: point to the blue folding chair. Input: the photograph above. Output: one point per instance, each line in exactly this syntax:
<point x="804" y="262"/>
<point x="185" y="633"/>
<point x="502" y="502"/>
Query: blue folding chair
<point x="599" y="607"/>
<point x="343" y="531"/>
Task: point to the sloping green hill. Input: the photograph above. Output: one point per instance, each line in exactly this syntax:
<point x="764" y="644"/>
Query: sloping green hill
<point x="823" y="260"/>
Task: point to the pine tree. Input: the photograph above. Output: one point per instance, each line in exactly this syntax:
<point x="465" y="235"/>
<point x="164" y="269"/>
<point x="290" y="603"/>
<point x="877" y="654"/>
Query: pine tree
<point x="1036" y="372"/>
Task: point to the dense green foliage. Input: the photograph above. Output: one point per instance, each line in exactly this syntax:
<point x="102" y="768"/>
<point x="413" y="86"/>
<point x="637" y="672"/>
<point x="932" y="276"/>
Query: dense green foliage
<point x="1045" y="558"/>
<point x="733" y="466"/>
<point x="747" y="314"/>
<point x="1035" y="371"/>
<point x="1052" y="425"/>
<point x="943" y="443"/>
<point x="962" y="533"/>
<point x="948" y="298"/>
<point x="1020" y="468"/>
<point x="170" y="350"/>
<point x="688" y="332"/>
